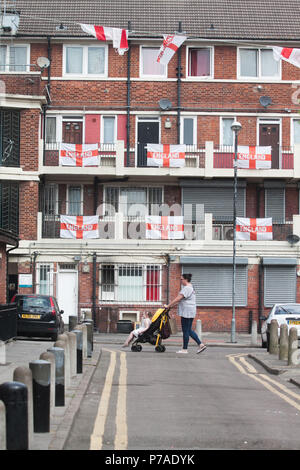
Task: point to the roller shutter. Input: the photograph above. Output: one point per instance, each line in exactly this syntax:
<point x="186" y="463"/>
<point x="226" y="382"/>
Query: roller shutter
<point x="279" y="284"/>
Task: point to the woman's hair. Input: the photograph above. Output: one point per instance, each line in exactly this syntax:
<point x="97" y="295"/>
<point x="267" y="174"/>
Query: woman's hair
<point x="187" y="277"/>
<point x="150" y="314"/>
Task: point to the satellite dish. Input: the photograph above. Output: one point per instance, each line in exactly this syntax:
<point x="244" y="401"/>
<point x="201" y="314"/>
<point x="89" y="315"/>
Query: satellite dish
<point x="265" y="101"/>
<point x="292" y="239"/>
<point x="43" y="62"/>
<point x="165" y="104"/>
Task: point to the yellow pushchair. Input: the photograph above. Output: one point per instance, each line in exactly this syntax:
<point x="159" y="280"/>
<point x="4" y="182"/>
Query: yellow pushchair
<point x="158" y="330"/>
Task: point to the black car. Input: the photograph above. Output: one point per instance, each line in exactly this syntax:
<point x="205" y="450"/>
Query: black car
<point x="38" y="315"/>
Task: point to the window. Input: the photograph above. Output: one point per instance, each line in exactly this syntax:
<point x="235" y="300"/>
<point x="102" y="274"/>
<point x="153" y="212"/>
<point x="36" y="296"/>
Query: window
<point x="200" y="62"/>
<point x="85" y="60"/>
<point x="258" y="63"/>
<point x="279" y="284"/>
<point x="74" y="200"/>
<point x="14" y="58"/>
<point x="189" y="131"/>
<point x="296" y="130"/>
<point x="275" y="204"/>
<point x="44" y="279"/>
<point x="132" y="202"/>
<point x="131" y="283"/>
<point x="109" y="129"/>
<point x="50" y="130"/>
<point x="227" y="134"/>
<point x="149" y="65"/>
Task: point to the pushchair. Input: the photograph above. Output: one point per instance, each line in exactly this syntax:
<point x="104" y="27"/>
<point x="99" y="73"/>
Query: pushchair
<point x="158" y="330"/>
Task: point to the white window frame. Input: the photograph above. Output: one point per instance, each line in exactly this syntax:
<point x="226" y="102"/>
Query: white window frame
<point x="27" y="64"/>
<point x="102" y="127"/>
<point x="148" y="76"/>
<point x="194" y="118"/>
<point x="212" y="68"/>
<point x="147" y="188"/>
<point x="68" y="197"/>
<point x="85" y="73"/>
<point x="259" y="75"/>
<point x="292" y="137"/>
<point x="221" y="138"/>
<point x="38" y="277"/>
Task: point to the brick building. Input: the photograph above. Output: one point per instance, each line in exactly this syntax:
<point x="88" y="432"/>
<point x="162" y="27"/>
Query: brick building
<point x="86" y="93"/>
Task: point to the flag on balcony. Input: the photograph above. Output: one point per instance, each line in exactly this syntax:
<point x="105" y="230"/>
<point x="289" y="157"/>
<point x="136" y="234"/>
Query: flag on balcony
<point x="166" y="155"/>
<point x="169" y="46"/>
<point x="164" y="227"/>
<point x="288" y="54"/>
<point x="78" y="155"/>
<point x="118" y="36"/>
<point x="79" y="227"/>
<point x="254" y="158"/>
<point x="254" y="229"/>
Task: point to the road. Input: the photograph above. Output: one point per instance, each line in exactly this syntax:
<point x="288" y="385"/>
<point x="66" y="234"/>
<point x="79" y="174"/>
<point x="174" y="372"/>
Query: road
<point x="219" y="399"/>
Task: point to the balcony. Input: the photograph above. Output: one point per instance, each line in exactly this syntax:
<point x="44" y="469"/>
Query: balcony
<point x="106" y="152"/>
<point x="224" y="156"/>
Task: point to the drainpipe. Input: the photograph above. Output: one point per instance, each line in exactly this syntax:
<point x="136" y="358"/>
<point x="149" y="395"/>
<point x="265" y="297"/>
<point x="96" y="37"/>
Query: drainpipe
<point x="46" y="106"/>
<point x="94" y="289"/>
<point x="260" y="292"/>
<point x="128" y="98"/>
<point x="179" y="74"/>
<point x="35" y="253"/>
<point x="168" y="278"/>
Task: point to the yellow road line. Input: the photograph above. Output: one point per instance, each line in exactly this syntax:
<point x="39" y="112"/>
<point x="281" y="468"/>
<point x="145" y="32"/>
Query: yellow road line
<point x="121" y="438"/>
<point x="250" y="367"/>
<point x="281" y="386"/>
<point x="99" y="425"/>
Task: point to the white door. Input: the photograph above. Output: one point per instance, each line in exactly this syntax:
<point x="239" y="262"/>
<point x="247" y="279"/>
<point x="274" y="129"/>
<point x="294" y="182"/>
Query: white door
<point x="67" y="294"/>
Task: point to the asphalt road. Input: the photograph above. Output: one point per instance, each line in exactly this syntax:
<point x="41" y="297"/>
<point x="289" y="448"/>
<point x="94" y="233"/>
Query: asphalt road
<point x="219" y="399"/>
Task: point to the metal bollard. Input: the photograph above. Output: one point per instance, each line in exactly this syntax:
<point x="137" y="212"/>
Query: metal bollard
<point x="273" y="346"/>
<point x="293" y="359"/>
<point x="73" y="352"/>
<point x="72" y="322"/>
<point x="78" y="350"/>
<point x="2" y="426"/>
<point x="15" y="398"/>
<point x="41" y="371"/>
<point x="284" y="343"/>
<point x="59" y="355"/>
<point x="199" y="328"/>
<point x="24" y="376"/>
<point x="47" y="356"/>
<point x="90" y="337"/>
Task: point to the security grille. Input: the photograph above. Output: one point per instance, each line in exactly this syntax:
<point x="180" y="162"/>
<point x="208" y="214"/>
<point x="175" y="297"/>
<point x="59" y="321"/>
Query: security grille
<point x="9" y="206"/>
<point x="9" y="138"/>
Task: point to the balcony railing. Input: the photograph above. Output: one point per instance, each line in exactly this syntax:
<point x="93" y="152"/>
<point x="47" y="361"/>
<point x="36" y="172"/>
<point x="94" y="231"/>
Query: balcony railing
<point x="224" y="156"/>
<point x="224" y="231"/>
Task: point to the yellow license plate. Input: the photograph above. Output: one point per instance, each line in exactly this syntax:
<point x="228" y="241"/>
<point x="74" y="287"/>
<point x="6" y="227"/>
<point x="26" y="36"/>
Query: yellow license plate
<point x="35" y="317"/>
<point x="294" y="322"/>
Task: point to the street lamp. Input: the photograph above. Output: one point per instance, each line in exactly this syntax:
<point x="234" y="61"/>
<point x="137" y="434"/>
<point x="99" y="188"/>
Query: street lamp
<point x="235" y="127"/>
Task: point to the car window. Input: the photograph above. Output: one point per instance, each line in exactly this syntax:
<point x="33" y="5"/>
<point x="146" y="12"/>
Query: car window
<point x="33" y="302"/>
<point x="288" y="310"/>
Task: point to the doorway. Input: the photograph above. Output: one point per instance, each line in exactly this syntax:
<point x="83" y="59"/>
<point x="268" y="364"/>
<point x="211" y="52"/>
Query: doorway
<point x="269" y="135"/>
<point x="147" y="133"/>
<point x="67" y="292"/>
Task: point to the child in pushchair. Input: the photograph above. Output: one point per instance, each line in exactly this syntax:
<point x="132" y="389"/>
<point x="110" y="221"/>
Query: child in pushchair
<point x="159" y="329"/>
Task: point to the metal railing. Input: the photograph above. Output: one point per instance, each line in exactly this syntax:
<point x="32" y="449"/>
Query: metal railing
<point x="106" y="152"/>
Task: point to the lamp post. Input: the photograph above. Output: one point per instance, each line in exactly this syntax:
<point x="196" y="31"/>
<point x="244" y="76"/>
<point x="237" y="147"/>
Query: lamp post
<point x="235" y="127"/>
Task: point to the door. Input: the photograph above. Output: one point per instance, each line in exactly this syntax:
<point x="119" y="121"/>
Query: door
<point x="148" y="133"/>
<point x="269" y="135"/>
<point x="72" y="132"/>
<point x="67" y="294"/>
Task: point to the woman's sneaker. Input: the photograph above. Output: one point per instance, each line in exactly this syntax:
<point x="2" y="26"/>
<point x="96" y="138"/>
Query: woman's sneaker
<point x="182" y="351"/>
<point x="201" y="348"/>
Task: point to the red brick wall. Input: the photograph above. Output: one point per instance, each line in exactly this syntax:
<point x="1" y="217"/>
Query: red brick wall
<point x="28" y="209"/>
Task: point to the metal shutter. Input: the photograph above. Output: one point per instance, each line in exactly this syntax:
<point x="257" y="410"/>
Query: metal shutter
<point x="275" y="204"/>
<point x="279" y="284"/>
<point x="213" y="284"/>
<point x="216" y="200"/>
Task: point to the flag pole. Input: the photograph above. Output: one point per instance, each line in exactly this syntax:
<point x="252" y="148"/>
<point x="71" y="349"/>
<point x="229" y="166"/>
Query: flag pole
<point x="235" y="127"/>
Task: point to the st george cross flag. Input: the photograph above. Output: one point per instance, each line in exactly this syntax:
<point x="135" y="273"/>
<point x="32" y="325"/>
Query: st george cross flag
<point x="169" y="46"/>
<point x="78" y="155"/>
<point x="289" y="54"/>
<point x="254" y="229"/>
<point x="79" y="227"/>
<point x="119" y="37"/>
<point x="254" y="158"/>
<point x="164" y="227"/>
<point x="166" y="155"/>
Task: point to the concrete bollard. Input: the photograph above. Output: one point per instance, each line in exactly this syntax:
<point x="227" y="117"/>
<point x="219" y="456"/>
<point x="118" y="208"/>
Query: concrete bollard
<point x="41" y="372"/>
<point x="254" y="333"/>
<point x="47" y="356"/>
<point x="24" y="376"/>
<point x="293" y="359"/>
<point x="73" y="352"/>
<point x="273" y="345"/>
<point x="65" y="339"/>
<point x="59" y="355"/>
<point x="90" y="338"/>
<point x="82" y="327"/>
<point x="199" y="328"/>
<point x="2" y="426"/>
<point x="73" y="320"/>
<point x="78" y="351"/>
<point x="283" y="343"/>
<point x="14" y="395"/>
<point x="62" y="345"/>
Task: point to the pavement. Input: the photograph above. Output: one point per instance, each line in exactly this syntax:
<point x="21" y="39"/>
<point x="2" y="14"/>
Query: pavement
<point x="20" y="352"/>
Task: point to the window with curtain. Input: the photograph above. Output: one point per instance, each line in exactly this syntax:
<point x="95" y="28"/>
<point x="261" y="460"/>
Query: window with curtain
<point x="189" y="137"/>
<point x="296" y="123"/>
<point x="85" y="60"/>
<point x="149" y="64"/>
<point x="109" y="136"/>
<point x="258" y="63"/>
<point x="199" y="62"/>
<point x="96" y="60"/>
<point x="50" y="129"/>
<point x="227" y="134"/>
<point x="15" y="58"/>
<point x="74" y="202"/>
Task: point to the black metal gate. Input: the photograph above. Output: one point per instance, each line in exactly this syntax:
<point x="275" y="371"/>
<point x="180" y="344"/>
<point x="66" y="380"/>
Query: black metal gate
<point x="8" y="322"/>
